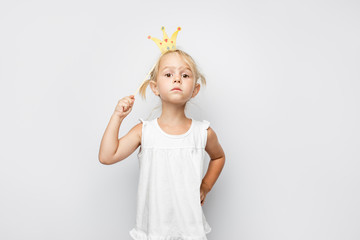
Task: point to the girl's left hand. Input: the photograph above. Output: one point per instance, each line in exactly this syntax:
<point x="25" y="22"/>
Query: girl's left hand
<point x="203" y="192"/>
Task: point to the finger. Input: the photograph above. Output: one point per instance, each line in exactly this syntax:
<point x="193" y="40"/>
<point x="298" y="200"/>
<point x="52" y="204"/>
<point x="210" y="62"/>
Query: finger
<point x="127" y="110"/>
<point x="123" y="109"/>
<point x="130" y="101"/>
<point x="122" y="102"/>
<point x="126" y="100"/>
<point x="123" y="105"/>
<point x="129" y="106"/>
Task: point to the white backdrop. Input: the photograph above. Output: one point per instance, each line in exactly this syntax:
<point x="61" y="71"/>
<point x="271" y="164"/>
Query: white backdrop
<point x="282" y="96"/>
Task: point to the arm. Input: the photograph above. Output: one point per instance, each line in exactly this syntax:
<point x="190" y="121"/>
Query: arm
<point x="216" y="164"/>
<point x="112" y="149"/>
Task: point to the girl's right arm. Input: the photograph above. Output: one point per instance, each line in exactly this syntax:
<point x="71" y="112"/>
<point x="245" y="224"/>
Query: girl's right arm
<point x="112" y="149"/>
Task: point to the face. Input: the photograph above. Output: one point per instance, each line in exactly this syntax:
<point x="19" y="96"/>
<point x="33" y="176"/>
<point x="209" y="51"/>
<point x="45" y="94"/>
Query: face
<point x="175" y="81"/>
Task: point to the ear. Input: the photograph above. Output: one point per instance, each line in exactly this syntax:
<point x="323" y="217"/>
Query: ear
<point x="153" y="86"/>
<point x="196" y="90"/>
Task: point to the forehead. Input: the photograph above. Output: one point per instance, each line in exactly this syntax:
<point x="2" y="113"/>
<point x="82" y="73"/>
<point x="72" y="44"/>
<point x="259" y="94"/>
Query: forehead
<point x="173" y="60"/>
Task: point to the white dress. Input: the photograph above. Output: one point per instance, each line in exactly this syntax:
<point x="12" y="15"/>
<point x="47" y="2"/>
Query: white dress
<point x="171" y="171"/>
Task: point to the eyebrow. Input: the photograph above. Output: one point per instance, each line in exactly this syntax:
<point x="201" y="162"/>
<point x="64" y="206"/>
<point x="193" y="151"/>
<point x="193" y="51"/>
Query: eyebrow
<point x="174" y="67"/>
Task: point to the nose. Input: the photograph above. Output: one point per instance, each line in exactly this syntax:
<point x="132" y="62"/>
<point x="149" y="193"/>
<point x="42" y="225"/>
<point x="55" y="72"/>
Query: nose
<point x="177" y="78"/>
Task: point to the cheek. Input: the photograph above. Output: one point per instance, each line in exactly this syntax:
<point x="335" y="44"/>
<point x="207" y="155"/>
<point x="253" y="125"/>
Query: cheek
<point x="192" y="85"/>
<point x="189" y="89"/>
<point x="162" y="85"/>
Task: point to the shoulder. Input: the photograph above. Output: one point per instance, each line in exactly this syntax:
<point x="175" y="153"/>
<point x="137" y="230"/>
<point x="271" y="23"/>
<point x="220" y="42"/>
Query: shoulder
<point x="211" y="135"/>
<point x="138" y="127"/>
<point x="137" y="130"/>
<point x="212" y="139"/>
<point x="213" y="147"/>
<point x="206" y="125"/>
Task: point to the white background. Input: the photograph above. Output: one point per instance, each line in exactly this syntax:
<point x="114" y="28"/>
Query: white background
<point x="282" y="96"/>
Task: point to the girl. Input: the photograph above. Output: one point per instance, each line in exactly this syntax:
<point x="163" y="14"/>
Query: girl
<point x="172" y="150"/>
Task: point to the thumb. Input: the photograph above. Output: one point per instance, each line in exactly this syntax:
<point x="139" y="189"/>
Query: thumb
<point x="128" y="110"/>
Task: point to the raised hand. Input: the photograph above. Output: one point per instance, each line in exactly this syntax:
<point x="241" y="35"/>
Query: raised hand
<point x="124" y="106"/>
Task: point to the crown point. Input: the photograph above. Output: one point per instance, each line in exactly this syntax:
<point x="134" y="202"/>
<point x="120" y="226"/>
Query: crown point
<point x="167" y="43"/>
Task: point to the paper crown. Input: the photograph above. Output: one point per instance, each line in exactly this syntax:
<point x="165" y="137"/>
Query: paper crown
<point x="166" y="44"/>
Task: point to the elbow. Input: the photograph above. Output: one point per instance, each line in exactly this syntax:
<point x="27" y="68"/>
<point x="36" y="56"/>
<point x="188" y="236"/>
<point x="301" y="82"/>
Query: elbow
<point x="104" y="160"/>
<point x="223" y="159"/>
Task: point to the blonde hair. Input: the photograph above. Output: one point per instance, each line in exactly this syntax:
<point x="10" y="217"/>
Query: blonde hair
<point x="186" y="57"/>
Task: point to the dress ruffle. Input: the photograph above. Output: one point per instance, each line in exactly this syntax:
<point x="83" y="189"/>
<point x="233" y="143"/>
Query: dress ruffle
<point x="140" y="235"/>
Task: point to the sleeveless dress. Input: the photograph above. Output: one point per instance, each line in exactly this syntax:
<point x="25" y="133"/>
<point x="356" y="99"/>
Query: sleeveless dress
<point x="171" y="171"/>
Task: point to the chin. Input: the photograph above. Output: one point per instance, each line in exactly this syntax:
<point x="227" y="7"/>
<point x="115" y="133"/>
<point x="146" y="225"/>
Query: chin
<point x="175" y="101"/>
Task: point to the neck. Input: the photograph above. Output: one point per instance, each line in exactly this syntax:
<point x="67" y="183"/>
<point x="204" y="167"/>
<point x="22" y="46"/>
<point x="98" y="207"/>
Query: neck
<point x="172" y="113"/>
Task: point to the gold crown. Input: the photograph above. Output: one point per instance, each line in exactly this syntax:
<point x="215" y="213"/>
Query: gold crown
<point x="166" y="44"/>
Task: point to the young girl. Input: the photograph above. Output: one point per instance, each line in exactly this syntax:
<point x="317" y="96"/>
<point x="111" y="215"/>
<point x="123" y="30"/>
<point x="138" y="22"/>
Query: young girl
<point x="171" y="190"/>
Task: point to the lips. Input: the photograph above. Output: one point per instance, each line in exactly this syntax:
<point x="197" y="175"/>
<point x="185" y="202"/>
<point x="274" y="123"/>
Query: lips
<point x="176" y="89"/>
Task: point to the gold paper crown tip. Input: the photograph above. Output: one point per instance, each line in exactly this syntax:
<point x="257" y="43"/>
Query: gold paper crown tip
<point x="166" y="44"/>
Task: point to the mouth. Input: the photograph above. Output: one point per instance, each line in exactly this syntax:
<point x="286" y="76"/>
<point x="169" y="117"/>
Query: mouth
<point x="176" y="89"/>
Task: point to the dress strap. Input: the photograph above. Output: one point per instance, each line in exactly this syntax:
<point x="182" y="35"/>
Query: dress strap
<point x="206" y="124"/>
<point x="143" y="121"/>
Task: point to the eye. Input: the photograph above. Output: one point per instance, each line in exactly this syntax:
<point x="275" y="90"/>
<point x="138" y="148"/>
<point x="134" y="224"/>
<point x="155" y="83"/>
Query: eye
<point x="167" y="74"/>
<point x="186" y="76"/>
